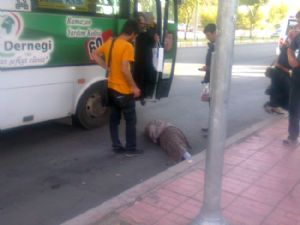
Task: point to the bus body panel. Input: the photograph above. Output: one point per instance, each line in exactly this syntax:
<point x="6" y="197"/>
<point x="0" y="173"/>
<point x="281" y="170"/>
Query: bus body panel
<point x="45" y="64"/>
<point x="43" y="96"/>
<point x="35" y="104"/>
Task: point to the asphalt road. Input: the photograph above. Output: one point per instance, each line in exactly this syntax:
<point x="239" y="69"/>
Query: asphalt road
<point x="51" y="172"/>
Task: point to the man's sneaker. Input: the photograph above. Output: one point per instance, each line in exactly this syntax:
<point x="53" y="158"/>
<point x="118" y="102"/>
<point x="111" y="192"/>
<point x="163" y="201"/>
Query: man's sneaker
<point x="290" y="142"/>
<point x="133" y="152"/>
<point x="119" y="149"/>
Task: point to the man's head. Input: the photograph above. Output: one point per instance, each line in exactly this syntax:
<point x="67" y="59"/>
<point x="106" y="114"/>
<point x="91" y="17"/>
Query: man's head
<point x="130" y="29"/>
<point x="210" y="32"/>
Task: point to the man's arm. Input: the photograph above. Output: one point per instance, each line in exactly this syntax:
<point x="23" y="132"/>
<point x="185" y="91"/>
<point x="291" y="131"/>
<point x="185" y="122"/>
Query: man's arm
<point x="128" y="76"/>
<point x="99" y="59"/>
<point x="292" y="58"/>
<point x="294" y="45"/>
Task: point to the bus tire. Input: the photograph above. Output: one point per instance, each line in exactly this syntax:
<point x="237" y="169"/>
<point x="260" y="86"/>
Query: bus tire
<point x="89" y="112"/>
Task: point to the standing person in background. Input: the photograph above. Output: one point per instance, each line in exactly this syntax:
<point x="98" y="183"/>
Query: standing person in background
<point x="210" y="33"/>
<point x="294" y="104"/>
<point x="144" y="72"/>
<point x="279" y="89"/>
<point x="121" y="87"/>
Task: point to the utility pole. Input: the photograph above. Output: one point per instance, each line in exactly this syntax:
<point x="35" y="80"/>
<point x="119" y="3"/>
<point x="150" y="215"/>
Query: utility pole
<point x="196" y="20"/>
<point x="220" y="85"/>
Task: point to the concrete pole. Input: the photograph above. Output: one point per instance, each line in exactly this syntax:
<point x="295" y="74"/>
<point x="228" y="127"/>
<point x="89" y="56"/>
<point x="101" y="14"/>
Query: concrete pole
<point x="220" y="84"/>
<point x="196" y="20"/>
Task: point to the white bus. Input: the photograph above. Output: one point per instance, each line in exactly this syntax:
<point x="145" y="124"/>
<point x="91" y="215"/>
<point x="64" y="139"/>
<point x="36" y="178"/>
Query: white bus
<point x="46" y="71"/>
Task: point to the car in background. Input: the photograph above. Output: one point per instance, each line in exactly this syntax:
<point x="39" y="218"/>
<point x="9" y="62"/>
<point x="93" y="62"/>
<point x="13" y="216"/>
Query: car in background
<point x="276" y="33"/>
<point x="285" y="27"/>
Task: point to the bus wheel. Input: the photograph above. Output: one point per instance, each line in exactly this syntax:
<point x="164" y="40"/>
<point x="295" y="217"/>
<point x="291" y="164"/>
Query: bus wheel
<point x="90" y="113"/>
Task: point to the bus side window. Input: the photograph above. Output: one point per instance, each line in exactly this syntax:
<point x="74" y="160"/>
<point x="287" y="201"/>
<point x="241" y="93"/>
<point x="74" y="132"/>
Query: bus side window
<point x="107" y="7"/>
<point x="98" y="7"/>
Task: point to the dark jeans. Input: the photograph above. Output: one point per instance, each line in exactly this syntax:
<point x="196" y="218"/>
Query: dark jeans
<point x="129" y="114"/>
<point x="280" y="89"/>
<point x="294" y="105"/>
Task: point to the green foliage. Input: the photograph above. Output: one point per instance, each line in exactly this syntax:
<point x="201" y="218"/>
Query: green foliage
<point x="185" y="13"/>
<point x="186" y="10"/>
<point x="253" y="13"/>
<point x="208" y="15"/>
<point x="253" y="2"/>
<point x="243" y="21"/>
<point x="277" y="13"/>
<point x="205" y="3"/>
<point x="147" y="6"/>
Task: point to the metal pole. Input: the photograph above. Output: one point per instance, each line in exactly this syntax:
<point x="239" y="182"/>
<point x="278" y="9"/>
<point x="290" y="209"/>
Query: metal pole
<point x="196" y="19"/>
<point x="220" y="84"/>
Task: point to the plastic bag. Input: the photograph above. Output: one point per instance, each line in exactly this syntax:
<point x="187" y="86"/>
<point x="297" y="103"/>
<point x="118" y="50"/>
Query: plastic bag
<point x="205" y="97"/>
<point x="158" y="58"/>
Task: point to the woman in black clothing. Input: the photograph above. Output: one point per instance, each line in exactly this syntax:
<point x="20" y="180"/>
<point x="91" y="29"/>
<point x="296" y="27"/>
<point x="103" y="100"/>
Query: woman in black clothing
<point x="144" y="71"/>
<point x="279" y="90"/>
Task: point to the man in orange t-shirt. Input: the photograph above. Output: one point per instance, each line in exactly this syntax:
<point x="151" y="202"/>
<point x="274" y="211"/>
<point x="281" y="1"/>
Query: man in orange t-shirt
<point x="121" y="87"/>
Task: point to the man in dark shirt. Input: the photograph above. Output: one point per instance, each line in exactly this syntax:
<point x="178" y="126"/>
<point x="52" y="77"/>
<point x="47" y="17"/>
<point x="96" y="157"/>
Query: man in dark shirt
<point x="294" y="105"/>
<point x="210" y="33"/>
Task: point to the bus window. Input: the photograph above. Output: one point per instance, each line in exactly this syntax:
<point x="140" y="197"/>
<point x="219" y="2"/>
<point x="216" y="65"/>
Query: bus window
<point x="16" y="5"/>
<point x="107" y="7"/>
<point x="101" y="7"/>
<point x="148" y="8"/>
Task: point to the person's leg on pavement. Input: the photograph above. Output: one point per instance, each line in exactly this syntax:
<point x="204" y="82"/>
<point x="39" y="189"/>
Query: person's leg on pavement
<point x="275" y="84"/>
<point x="130" y="119"/>
<point x="285" y="91"/>
<point x="205" y="128"/>
<point x="275" y="94"/>
<point x="294" y="109"/>
<point x="114" y="122"/>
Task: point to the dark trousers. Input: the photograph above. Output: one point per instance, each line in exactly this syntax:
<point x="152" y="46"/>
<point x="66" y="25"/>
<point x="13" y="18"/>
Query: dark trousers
<point x="294" y="105"/>
<point x="129" y="113"/>
<point x="145" y="78"/>
<point x="280" y="89"/>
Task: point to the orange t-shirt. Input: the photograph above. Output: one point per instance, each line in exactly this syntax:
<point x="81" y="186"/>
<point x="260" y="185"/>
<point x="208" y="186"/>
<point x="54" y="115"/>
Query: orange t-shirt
<point x="122" y="51"/>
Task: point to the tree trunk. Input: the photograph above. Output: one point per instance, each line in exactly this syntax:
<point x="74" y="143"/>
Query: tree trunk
<point x="186" y="28"/>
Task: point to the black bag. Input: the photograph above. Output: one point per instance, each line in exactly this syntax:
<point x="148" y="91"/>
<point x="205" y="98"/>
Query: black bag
<point x="119" y="99"/>
<point x="270" y="71"/>
<point x="104" y="94"/>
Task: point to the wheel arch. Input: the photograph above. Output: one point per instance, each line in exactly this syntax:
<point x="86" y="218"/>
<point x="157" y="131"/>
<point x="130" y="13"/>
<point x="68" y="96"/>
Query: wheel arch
<point x="83" y="90"/>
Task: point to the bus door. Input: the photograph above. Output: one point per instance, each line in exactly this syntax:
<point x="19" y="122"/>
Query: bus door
<point x="164" y="16"/>
<point x="169" y="43"/>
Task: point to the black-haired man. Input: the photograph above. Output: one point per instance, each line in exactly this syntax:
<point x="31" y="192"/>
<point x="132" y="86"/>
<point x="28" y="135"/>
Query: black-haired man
<point x="210" y="31"/>
<point x="121" y="87"/>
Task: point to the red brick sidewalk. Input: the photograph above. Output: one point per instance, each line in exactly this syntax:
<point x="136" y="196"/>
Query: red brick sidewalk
<point x="261" y="186"/>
